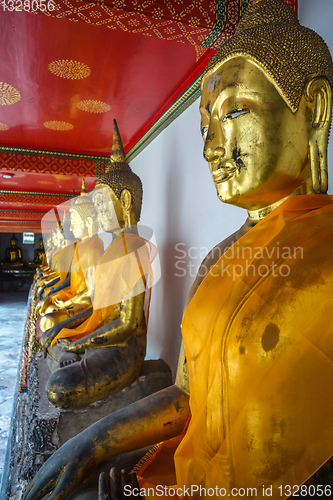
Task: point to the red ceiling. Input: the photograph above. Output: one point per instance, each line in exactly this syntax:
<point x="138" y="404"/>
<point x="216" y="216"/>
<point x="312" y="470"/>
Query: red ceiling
<point x="134" y="57"/>
<point x="131" y="73"/>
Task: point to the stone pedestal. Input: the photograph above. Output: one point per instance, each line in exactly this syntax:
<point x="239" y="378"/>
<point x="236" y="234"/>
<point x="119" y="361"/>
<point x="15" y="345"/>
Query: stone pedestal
<point x="39" y="428"/>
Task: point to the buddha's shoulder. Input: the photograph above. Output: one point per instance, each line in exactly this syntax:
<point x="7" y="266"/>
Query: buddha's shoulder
<point x="210" y="260"/>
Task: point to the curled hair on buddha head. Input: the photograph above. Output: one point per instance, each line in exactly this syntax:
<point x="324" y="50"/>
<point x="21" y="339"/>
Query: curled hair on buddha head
<point x="83" y="204"/>
<point x="119" y="175"/>
<point x="290" y="55"/>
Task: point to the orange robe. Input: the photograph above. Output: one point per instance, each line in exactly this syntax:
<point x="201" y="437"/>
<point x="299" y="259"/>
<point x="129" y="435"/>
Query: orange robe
<point x="61" y="263"/>
<point x="119" y="269"/>
<point x="259" y="345"/>
<point x="87" y="253"/>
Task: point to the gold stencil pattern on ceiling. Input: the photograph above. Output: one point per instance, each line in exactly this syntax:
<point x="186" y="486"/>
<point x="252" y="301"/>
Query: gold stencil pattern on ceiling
<point x="3" y="127"/>
<point x="8" y="94"/>
<point x="173" y="27"/>
<point x="72" y="70"/>
<point x="44" y="164"/>
<point x="56" y="125"/>
<point x="93" y="106"/>
<point x="17" y="199"/>
<point x="33" y="216"/>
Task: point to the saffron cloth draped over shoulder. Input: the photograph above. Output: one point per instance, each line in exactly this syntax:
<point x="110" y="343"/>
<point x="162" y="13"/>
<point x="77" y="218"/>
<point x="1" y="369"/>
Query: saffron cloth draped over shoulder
<point x="87" y="253"/>
<point x="127" y="259"/>
<point x="259" y="346"/>
<point x="61" y="262"/>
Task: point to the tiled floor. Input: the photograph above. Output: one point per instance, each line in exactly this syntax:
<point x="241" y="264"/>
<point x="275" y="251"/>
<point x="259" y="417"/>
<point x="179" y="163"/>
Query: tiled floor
<point x="13" y="307"/>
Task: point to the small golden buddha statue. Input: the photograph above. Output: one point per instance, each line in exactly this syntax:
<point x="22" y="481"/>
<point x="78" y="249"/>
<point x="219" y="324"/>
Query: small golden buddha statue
<point x="115" y="328"/>
<point x="256" y="332"/>
<point x="13" y="255"/>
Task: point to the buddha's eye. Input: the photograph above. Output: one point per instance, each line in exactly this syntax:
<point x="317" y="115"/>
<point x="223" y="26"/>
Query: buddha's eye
<point x="204" y="131"/>
<point x="235" y="114"/>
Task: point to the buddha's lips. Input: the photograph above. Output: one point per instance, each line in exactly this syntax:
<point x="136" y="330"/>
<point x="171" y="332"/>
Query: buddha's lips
<point x="223" y="174"/>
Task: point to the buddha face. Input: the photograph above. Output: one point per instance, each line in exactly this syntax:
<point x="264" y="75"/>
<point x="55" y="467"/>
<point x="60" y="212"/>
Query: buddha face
<point x="13" y="242"/>
<point x="256" y="147"/>
<point x="78" y="225"/>
<point x="108" y="209"/>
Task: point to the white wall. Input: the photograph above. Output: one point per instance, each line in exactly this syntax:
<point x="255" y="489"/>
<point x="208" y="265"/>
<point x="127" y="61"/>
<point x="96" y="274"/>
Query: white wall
<point x="318" y="15"/>
<point x="181" y="206"/>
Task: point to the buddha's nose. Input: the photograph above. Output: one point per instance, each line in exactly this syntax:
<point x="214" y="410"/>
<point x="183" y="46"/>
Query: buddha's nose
<point x="213" y="149"/>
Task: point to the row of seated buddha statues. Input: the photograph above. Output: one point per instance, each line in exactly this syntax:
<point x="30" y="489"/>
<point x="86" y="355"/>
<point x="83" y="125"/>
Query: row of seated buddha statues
<point x="58" y="257"/>
<point x="13" y="255"/>
<point x="72" y="295"/>
<point x="256" y="410"/>
<point x="93" y="328"/>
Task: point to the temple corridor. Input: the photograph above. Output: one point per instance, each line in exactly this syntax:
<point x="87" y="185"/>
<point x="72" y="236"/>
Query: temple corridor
<point x="12" y="320"/>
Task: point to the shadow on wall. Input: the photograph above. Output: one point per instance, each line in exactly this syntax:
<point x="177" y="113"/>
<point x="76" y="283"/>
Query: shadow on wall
<point x="173" y="290"/>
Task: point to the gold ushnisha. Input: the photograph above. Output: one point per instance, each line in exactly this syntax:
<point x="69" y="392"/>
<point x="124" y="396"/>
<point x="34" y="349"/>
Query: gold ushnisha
<point x="270" y="34"/>
<point x="119" y="175"/>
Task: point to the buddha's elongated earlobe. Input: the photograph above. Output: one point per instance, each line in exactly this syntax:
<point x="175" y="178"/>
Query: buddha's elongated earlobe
<point x="126" y="203"/>
<point x="318" y="93"/>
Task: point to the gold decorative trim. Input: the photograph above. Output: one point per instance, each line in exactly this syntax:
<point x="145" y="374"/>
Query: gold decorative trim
<point x="3" y="127"/>
<point x="34" y="193"/>
<point x="73" y="70"/>
<point x="138" y="467"/>
<point x="8" y="94"/>
<point x="8" y="149"/>
<point x="23" y="211"/>
<point x="59" y="126"/>
<point x="23" y="222"/>
<point x="93" y="106"/>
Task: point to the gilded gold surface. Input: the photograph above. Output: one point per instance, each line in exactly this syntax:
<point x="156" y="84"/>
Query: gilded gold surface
<point x="278" y="147"/>
<point x="119" y="176"/>
<point x="93" y="106"/>
<point x="8" y="94"/>
<point x="82" y="209"/>
<point x="3" y="127"/>
<point x="270" y="34"/>
<point x="72" y="70"/>
<point x="56" y="308"/>
<point x="116" y="327"/>
<point x="258" y="349"/>
<point x="58" y="125"/>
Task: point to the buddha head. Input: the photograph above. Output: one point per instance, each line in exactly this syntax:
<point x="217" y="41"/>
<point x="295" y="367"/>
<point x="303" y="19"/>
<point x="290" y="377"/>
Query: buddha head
<point x="13" y="241"/>
<point x="118" y="193"/>
<point x="266" y="109"/>
<point x="41" y="243"/>
<point x="80" y="211"/>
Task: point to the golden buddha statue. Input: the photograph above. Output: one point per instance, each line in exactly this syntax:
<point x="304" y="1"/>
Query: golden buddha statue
<point x="39" y="255"/>
<point x="60" y="262"/>
<point x="13" y="255"/>
<point x="257" y="339"/>
<point x="87" y="344"/>
<point x="68" y="301"/>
